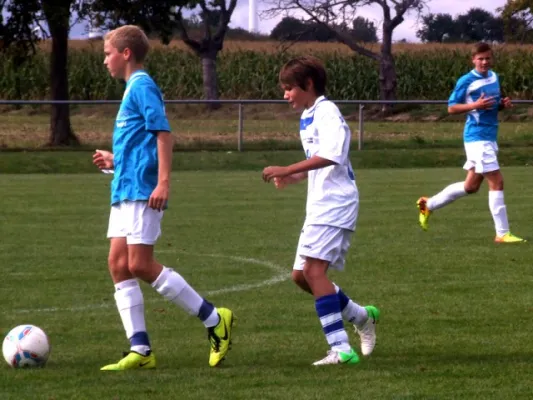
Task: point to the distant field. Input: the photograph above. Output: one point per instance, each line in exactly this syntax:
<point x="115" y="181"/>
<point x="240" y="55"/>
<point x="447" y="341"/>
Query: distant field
<point x="265" y="127"/>
<point x="456" y="308"/>
<point x="303" y="47"/>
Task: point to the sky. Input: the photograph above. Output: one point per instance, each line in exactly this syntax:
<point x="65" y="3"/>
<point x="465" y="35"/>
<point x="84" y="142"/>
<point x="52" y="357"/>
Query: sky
<point x="406" y="30"/>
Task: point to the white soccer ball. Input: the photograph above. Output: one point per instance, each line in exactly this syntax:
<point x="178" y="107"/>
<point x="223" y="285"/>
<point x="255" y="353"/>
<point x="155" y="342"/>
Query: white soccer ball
<point x="26" y="346"/>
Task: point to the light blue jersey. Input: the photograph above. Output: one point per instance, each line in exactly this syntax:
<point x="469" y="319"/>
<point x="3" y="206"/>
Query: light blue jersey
<point x="140" y="117"/>
<point x="480" y="124"/>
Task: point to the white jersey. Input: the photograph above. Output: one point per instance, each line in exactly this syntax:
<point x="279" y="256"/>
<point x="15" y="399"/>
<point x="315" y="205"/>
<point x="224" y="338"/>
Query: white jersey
<point x="332" y="195"/>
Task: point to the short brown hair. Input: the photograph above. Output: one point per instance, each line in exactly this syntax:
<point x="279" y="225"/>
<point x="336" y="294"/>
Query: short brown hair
<point x="480" y="47"/>
<point x="131" y="37"/>
<point x="298" y="71"/>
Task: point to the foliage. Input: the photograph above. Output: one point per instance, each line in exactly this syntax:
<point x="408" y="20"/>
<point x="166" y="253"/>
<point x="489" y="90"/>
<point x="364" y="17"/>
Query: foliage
<point x="425" y="72"/>
<point x="475" y="25"/>
<point x="293" y="29"/>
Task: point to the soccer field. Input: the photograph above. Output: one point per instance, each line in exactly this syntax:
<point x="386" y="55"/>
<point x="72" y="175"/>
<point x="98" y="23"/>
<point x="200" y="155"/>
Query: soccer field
<point x="457" y="309"/>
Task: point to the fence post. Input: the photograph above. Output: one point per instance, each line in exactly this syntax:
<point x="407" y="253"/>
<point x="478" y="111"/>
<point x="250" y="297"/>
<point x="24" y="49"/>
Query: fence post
<point x="361" y="127"/>
<point x="239" y="129"/>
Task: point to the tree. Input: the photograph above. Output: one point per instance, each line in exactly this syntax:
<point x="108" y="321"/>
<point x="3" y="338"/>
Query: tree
<point x="364" y="30"/>
<point x="333" y="13"/>
<point x="474" y="26"/>
<point x="166" y="16"/>
<point x="479" y="25"/>
<point x="17" y="39"/>
<point x="58" y="17"/>
<point x="517" y="16"/>
<point x="437" y="28"/>
<point x="18" y="33"/>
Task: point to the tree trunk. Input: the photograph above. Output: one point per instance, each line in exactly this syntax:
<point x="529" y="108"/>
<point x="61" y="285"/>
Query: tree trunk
<point x="387" y="72"/>
<point x="61" y="133"/>
<point x="209" y="73"/>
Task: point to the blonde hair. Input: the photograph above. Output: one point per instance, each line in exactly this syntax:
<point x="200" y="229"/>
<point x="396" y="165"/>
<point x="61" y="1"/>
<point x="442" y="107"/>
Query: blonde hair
<point x="131" y="37"/>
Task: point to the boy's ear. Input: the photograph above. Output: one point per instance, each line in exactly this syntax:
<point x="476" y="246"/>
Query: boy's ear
<point x="127" y="53"/>
<point x="309" y="85"/>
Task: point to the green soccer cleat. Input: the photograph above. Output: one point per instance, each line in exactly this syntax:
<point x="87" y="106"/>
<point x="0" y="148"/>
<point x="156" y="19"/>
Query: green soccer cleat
<point x="423" y="212"/>
<point x="338" y="357"/>
<point x="367" y="332"/>
<point x="220" y="337"/>
<point x="132" y="360"/>
<point x="509" y="238"/>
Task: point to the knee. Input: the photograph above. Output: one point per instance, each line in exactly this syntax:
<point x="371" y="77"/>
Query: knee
<point x="471" y="188"/>
<point x="312" y="274"/>
<point x="137" y="267"/>
<point x="118" y="265"/>
<point x="298" y="278"/>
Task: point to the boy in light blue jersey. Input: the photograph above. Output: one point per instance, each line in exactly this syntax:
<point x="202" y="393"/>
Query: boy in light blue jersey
<point x="478" y="95"/>
<point x="142" y="158"/>
<point x="331" y="211"/>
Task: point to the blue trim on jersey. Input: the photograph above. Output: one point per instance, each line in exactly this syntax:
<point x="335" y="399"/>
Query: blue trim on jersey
<point x="141" y="115"/>
<point x="480" y="124"/>
<point x="305" y="122"/>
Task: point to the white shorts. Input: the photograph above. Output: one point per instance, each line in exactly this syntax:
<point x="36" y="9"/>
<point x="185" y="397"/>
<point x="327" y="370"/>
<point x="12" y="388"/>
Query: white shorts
<point x="323" y="242"/>
<point x="135" y="221"/>
<point x="482" y="156"/>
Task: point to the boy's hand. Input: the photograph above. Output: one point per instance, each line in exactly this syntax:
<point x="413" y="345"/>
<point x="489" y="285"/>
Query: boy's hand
<point x="274" y="172"/>
<point x="484" y="103"/>
<point x="103" y="159"/>
<point x="506" y="102"/>
<point x="159" y="197"/>
<point x="280" y="183"/>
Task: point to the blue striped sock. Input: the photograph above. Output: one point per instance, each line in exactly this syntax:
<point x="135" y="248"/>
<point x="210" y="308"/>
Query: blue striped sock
<point x="329" y="312"/>
<point x="140" y="343"/>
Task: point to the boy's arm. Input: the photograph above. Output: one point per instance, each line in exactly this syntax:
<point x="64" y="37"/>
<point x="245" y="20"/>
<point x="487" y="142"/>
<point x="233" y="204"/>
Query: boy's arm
<point x="301" y="167"/>
<point x="159" y="196"/>
<point x="165" y="143"/>
<point x="482" y="103"/>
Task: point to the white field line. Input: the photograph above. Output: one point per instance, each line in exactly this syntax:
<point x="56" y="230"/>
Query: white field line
<point x="280" y="275"/>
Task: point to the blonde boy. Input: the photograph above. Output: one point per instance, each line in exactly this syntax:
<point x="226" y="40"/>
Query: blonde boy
<point x="141" y="159"/>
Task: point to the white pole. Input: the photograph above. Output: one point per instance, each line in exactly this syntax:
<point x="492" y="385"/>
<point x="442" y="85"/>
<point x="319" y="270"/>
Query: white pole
<point x="253" y="22"/>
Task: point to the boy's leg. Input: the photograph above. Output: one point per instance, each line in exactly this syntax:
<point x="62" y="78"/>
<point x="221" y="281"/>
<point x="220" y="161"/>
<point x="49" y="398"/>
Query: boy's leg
<point x="328" y="309"/>
<point x="173" y="287"/>
<point x="474" y="166"/>
<point x="364" y="320"/>
<point x="499" y="210"/>
<point x="128" y="297"/>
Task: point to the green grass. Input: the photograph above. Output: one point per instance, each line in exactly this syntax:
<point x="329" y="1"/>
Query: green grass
<point x="265" y="127"/>
<point x="456" y="308"/>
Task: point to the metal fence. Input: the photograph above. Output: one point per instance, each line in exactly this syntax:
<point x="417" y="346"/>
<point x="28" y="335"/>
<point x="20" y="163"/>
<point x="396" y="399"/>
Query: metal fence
<point x="242" y="103"/>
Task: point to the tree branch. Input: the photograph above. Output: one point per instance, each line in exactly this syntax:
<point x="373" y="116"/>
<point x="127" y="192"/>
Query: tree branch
<point x="193" y="44"/>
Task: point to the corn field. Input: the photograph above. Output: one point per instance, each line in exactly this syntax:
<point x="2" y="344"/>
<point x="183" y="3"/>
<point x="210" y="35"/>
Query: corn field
<point x="424" y="72"/>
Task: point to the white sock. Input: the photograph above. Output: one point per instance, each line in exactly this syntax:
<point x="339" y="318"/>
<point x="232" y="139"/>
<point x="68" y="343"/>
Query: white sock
<point x="449" y="194"/>
<point x="173" y="287"/>
<point x="499" y="212"/>
<point x="130" y="304"/>
<point x="353" y="312"/>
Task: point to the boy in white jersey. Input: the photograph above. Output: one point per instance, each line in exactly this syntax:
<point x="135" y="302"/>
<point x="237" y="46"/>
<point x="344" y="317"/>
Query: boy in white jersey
<point x="142" y="158"/>
<point x="477" y="93"/>
<point x="332" y="208"/>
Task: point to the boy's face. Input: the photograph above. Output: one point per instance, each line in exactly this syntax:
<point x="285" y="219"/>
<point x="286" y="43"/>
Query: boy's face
<point x="115" y="61"/>
<point x="482" y="62"/>
<point x="297" y="97"/>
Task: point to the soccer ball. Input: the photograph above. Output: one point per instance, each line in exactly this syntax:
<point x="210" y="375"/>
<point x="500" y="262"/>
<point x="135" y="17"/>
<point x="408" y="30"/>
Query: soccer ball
<point x="26" y="346"/>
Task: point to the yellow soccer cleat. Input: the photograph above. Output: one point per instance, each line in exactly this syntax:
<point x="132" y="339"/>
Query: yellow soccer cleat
<point x="509" y="238"/>
<point x="424" y="212"/>
<point x="132" y="360"/>
<point x="220" y="337"/>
